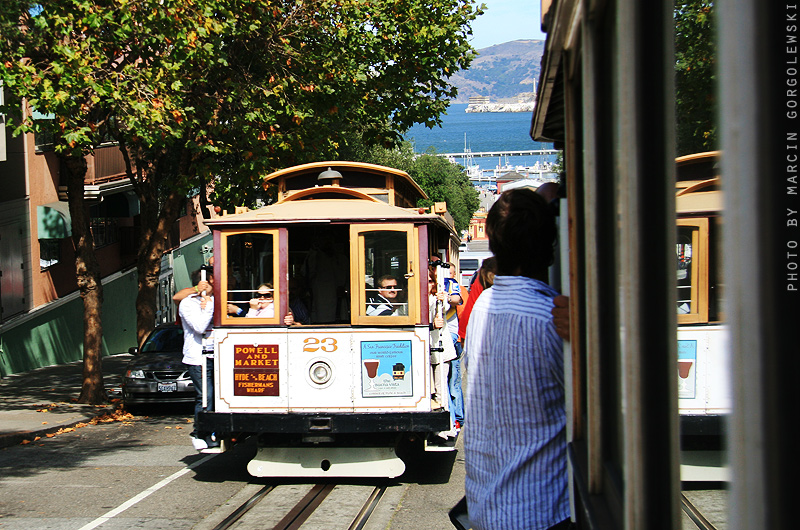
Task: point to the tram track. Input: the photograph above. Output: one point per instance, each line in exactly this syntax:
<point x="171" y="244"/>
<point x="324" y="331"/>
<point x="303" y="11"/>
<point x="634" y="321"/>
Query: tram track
<point x="293" y="517"/>
<point x="363" y="516"/>
<point x="694" y="513"/>
<point x="239" y="512"/>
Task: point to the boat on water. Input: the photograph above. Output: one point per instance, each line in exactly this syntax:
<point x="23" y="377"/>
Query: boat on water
<point x="472" y="169"/>
<point x="541" y="170"/>
<point x="544" y="172"/>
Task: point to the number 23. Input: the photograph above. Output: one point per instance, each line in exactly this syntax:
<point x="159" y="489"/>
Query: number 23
<point x="327" y="344"/>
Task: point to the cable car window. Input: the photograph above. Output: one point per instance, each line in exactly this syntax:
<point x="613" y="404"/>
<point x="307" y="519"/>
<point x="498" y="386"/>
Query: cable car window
<point x="385" y="253"/>
<point x="251" y="263"/>
<point x="692" y="253"/>
<point x="384" y="292"/>
<point x="319" y="259"/>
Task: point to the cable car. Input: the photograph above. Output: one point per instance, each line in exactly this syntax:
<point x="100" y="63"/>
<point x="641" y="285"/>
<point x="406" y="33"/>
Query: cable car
<point x="344" y="390"/>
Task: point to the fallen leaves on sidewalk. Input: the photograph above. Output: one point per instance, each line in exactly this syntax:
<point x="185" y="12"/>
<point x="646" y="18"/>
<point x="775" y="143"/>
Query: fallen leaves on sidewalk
<point x="119" y="415"/>
<point x="47" y="408"/>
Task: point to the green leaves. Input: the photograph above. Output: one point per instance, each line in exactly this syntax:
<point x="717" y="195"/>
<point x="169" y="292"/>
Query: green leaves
<point x="695" y="76"/>
<point x="208" y="80"/>
<point x="445" y="181"/>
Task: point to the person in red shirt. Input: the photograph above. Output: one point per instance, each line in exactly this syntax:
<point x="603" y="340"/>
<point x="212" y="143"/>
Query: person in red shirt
<point x="483" y="279"/>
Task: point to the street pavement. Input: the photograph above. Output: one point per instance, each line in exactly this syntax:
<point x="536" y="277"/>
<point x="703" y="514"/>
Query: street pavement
<point x="41" y="402"/>
<point x="44" y="401"/>
<point x="478" y="245"/>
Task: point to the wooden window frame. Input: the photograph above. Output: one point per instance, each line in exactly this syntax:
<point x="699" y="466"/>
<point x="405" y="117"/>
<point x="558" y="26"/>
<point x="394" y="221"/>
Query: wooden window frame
<point x="358" y="299"/>
<point x="278" y="288"/>
<point x="699" y="272"/>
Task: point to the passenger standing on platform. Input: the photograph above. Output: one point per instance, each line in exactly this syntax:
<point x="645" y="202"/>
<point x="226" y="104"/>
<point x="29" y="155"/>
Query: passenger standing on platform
<point x="453" y="290"/>
<point x="451" y="298"/>
<point x="516" y="450"/>
<point x="442" y="350"/>
<point x="202" y="285"/>
<point x="197" y="286"/>
<point x="196" y="312"/>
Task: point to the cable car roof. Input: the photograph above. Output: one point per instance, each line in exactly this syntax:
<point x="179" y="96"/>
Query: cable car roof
<point x="698" y="183"/>
<point x="372" y="179"/>
<point x="311" y="209"/>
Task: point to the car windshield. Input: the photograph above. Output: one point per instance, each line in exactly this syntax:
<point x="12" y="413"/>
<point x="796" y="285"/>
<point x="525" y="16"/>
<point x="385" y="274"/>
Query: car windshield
<point x="168" y="339"/>
<point x="470" y="264"/>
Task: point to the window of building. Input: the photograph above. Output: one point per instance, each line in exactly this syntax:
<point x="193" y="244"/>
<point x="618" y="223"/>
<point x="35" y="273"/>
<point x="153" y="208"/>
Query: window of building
<point x="49" y="253"/>
<point x="105" y="231"/>
<point x="44" y="137"/>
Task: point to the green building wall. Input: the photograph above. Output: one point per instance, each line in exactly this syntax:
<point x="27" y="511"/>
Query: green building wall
<point x="53" y="334"/>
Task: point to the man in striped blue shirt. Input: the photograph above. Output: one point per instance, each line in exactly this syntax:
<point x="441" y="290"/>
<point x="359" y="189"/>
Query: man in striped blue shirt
<point x="515" y="446"/>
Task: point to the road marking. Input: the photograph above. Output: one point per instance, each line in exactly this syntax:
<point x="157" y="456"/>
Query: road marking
<point x="146" y="493"/>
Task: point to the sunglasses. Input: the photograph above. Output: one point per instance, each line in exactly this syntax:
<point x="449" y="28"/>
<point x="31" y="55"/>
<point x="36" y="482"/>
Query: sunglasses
<point x="267" y="295"/>
<point x="390" y="288"/>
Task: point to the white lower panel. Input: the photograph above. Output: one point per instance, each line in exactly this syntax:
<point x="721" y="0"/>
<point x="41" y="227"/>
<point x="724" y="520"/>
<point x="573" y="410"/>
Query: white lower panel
<point x="326" y="462"/>
<point x="704" y="466"/>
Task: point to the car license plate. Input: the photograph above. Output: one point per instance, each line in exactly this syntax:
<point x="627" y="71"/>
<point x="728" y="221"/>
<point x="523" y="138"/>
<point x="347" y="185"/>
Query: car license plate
<point x="168" y="387"/>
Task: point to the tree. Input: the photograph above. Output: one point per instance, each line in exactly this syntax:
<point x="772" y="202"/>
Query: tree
<point x="440" y="179"/>
<point x="216" y="93"/>
<point x="249" y="87"/>
<point x="50" y="62"/>
<point x="695" y="77"/>
<point x="400" y="156"/>
<point x="444" y="181"/>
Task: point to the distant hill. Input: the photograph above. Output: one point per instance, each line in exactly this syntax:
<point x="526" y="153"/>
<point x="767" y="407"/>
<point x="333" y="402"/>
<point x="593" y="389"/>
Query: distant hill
<point x="502" y="72"/>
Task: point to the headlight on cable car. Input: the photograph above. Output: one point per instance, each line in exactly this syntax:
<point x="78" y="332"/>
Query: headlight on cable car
<point x="320" y="372"/>
<point x="135" y="374"/>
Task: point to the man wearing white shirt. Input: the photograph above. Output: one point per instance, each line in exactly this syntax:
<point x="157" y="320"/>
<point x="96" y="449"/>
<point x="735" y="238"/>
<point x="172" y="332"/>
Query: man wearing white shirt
<point x="196" y="312"/>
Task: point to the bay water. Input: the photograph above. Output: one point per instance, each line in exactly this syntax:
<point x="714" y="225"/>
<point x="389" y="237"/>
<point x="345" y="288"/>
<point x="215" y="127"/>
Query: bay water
<point x="480" y="131"/>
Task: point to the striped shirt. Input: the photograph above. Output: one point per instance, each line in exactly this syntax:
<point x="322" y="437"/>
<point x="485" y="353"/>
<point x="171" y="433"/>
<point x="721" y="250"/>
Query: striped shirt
<point x="515" y="440"/>
<point x="379" y="306"/>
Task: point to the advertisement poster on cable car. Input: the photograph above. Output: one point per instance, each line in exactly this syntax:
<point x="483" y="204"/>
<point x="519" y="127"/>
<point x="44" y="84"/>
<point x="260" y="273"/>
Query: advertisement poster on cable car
<point x="687" y="368"/>
<point x="386" y="368"/>
<point x="255" y="370"/>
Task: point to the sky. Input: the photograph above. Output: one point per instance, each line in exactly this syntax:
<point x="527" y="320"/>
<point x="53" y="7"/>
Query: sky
<point x="507" y="20"/>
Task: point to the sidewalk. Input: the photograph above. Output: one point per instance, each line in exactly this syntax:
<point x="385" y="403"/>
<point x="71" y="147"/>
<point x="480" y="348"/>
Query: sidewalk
<point x="43" y="401"/>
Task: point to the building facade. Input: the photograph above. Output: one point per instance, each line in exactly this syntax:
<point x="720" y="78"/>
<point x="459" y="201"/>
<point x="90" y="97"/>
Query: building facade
<point x="41" y="312"/>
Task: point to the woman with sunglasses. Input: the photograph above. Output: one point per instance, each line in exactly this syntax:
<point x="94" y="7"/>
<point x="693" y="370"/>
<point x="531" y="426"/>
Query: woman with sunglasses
<point x="263" y="306"/>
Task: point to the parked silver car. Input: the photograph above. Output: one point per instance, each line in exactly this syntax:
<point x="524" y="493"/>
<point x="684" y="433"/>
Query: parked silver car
<point x="156" y="373"/>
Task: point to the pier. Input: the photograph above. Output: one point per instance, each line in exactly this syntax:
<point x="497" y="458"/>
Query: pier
<point x="490" y="154"/>
<point x="542" y="171"/>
